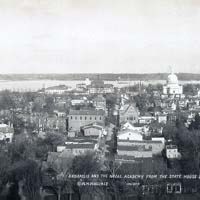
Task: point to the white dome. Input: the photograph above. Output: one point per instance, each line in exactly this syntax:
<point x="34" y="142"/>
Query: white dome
<point x="172" y="79"/>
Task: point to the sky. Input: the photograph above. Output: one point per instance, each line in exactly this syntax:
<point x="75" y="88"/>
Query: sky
<point x="99" y="36"/>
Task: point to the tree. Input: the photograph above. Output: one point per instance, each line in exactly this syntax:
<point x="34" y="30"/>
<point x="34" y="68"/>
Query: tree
<point x="195" y="124"/>
<point x="49" y="104"/>
<point x="27" y="173"/>
<point x="197" y="121"/>
<point x="142" y="102"/>
<point x="29" y="96"/>
<point x="189" y="146"/>
<point x="189" y="89"/>
<point x="7" y="100"/>
<point x="58" y="169"/>
<point x="85" y="164"/>
<point x="170" y="131"/>
<point x="52" y="140"/>
<point x="5" y="163"/>
<point x="18" y="124"/>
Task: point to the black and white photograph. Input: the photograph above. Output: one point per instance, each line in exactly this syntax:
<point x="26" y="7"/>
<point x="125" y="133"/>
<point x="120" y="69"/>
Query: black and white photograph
<point x="99" y="100"/>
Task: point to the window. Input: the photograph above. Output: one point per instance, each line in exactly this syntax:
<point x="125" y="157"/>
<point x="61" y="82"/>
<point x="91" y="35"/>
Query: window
<point x="178" y="189"/>
<point x="76" y="118"/>
<point x="80" y="118"/>
<point x="169" y="188"/>
<point x="95" y="118"/>
<point x="99" y="118"/>
<point x="71" y="117"/>
<point x="85" y="118"/>
<point x="90" y="118"/>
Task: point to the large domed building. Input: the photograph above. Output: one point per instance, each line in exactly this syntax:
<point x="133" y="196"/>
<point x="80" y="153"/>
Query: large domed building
<point x="172" y="87"/>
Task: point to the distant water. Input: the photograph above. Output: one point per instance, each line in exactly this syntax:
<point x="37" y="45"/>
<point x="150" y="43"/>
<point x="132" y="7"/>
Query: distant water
<point x="34" y="85"/>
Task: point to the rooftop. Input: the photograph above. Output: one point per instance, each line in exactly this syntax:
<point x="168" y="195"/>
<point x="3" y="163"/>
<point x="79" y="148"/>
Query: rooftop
<point x="4" y="128"/>
<point x="129" y="131"/>
<point x="99" y="98"/>
<point x="80" y="146"/>
<point x="171" y="147"/>
<point x="86" y="112"/>
<point x="142" y="142"/>
<point x="93" y="125"/>
<point x="133" y="148"/>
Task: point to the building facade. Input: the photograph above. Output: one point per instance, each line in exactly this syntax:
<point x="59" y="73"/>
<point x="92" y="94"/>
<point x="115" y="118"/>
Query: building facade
<point x="172" y="151"/>
<point x="172" y="87"/>
<point x="79" y="118"/>
<point x="6" y="133"/>
<point x="99" y="103"/>
<point x="129" y="112"/>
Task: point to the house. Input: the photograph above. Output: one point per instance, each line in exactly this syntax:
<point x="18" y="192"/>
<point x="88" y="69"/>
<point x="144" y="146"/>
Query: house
<point x="146" y="119"/>
<point x="78" y="149"/>
<point x="56" y="123"/>
<point x="175" y="187"/>
<point x="162" y="139"/>
<point x="99" y="87"/>
<point x="44" y="122"/>
<point x="198" y="93"/>
<point x="6" y="133"/>
<point x="81" y="86"/>
<point x="76" y="102"/>
<point x="99" y="103"/>
<point x="156" y="146"/>
<point x="172" y="151"/>
<point x="79" y="118"/>
<point x="129" y="112"/>
<point x="162" y="118"/>
<point x="59" y="114"/>
<point x="143" y="129"/>
<point x="134" y="151"/>
<point x="79" y="91"/>
<point x="129" y="134"/>
<point x="93" y="130"/>
<point x="78" y="146"/>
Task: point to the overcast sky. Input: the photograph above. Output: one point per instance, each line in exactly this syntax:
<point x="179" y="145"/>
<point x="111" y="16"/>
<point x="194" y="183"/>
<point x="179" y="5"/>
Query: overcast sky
<point x="101" y="36"/>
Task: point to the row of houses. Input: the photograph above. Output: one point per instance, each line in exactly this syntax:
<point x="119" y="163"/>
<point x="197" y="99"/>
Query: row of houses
<point x="94" y="87"/>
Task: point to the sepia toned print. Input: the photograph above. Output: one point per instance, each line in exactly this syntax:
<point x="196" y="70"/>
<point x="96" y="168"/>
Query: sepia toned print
<point x="99" y="100"/>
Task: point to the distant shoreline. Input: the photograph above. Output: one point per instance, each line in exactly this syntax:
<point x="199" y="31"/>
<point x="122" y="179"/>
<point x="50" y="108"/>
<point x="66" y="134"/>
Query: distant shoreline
<point x="95" y="76"/>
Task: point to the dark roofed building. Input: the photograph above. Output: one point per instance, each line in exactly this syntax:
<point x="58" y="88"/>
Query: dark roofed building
<point x="139" y="151"/>
<point x="129" y="112"/>
<point x="157" y="146"/>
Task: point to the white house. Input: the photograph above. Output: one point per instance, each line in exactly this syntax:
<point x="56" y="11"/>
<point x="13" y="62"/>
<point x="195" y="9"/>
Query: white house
<point x="172" y="151"/>
<point x="162" y="118"/>
<point x="142" y="129"/>
<point x="129" y="134"/>
<point x="162" y="139"/>
<point x="6" y="133"/>
<point x="174" y="188"/>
